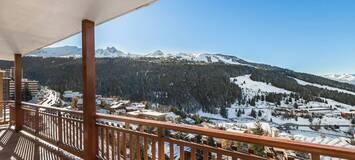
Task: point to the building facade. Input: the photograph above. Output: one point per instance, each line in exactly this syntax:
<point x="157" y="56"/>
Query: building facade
<point x="31" y="85"/>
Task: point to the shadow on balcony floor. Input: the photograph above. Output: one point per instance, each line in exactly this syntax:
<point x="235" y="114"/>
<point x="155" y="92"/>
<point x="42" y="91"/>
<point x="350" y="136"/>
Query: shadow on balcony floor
<point x="19" y="146"/>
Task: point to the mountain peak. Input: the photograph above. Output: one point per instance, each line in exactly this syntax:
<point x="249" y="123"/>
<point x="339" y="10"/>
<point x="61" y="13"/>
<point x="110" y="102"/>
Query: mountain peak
<point x="158" y="54"/>
<point x="111" y="49"/>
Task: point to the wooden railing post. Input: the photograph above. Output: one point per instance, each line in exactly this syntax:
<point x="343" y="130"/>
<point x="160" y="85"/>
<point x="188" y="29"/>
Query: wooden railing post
<point x="4" y="110"/>
<point x="18" y="85"/>
<point x="36" y="121"/>
<point x="60" y="131"/>
<point x="161" y="153"/>
<point x="89" y="90"/>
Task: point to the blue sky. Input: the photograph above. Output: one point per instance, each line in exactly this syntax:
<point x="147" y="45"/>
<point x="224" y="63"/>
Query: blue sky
<point x="313" y="36"/>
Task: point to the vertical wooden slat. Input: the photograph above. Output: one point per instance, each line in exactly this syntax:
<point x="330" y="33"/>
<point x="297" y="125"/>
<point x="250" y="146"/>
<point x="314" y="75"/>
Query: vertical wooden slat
<point x="219" y="156"/>
<point x="71" y="132"/>
<point x="131" y="143"/>
<point x="124" y="146"/>
<point x="77" y="134"/>
<point x="113" y="144"/>
<point x="4" y="111"/>
<point x="36" y="121"/>
<point x="138" y="148"/>
<point x="118" y="146"/>
<point x="145" y="148"/>
<point x="193" y="153"/>
<point x="315" y="156"/>
<point x="52" y="125"/>
<point x="161" y="153"/>
<point x="18" y="84"/>
<point x="102" y="141"/>
<point x="89" y="89"/>
<point x="82" y="136"/>
<point x="205" y="154"/>
<point x="107" y="142"/>
<point x="171" y="149"/>
<point x="154" y="152"/>
<point x="182" y="152"/>
<point x="66" y="130"/>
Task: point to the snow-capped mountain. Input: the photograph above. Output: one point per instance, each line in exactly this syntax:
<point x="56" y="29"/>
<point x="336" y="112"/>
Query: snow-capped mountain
<point x="110" y="52"/>
<point x="73" y="51"/>
<point x="65" y="51"/>
<point x="347" y="78"/>
<point x="158" y="54"/>
<point x="211" y="58"/>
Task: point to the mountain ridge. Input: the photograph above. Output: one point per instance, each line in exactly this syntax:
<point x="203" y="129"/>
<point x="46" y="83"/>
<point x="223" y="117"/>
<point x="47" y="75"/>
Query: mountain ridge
<point x="347" y="78"/>
<point x="112" y="52"/>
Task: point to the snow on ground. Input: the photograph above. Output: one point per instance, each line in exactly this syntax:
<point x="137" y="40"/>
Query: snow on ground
<point x="252" y="88"/>
<point x="49" y="97"/>
<point x="339" y="106"/>
<point x="210" y="115"/>
<point x="301" y="82"/>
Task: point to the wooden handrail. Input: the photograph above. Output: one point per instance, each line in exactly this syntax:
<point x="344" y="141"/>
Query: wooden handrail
<point x="52" y="108"/>
<point x="312" y="148"/>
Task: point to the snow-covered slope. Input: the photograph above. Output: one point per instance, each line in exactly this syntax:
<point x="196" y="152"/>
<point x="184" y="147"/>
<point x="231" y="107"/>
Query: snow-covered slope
<point x="252" y="88"/>
<point x="347" y="78"/>
<point x="212" y="58"/>
<point x="323" y="86"/>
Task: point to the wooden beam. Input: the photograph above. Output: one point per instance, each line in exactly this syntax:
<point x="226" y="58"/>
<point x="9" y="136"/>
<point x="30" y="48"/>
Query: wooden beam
<point x="18" y="97"/>
<point x="89" y="90"/>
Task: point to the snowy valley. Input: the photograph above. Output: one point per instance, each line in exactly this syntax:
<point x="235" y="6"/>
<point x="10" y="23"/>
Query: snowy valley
<point x="286" y="103"/>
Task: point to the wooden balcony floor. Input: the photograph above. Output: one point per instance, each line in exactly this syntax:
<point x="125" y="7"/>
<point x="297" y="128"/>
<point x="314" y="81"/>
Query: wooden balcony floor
<point x="20" y="146"/>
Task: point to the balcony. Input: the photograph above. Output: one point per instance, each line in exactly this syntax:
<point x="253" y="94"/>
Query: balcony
<point x="56" y="133"/>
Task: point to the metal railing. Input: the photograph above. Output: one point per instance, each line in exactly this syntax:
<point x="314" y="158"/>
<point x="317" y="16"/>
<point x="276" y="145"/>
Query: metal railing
<point x="121" y="137"/>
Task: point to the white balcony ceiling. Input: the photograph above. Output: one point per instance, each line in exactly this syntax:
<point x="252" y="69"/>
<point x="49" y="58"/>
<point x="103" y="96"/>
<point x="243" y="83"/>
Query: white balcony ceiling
<point x="27" y="25"/>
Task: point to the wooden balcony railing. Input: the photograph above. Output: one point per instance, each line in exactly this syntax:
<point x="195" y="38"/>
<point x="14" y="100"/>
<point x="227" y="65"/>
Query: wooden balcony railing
<point x="121" y="137"/>
<point x="63" y="128"/>
<point x="5" y="112"/>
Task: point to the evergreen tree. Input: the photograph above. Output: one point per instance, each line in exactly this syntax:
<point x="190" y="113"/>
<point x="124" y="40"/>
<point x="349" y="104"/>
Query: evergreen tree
<point x="353" y="121"/>
<point x="278" y="103"/>
<point x="253" y="113"/>
<point x="252" y="102"/>
<point x="26" y="94"/>
<point x="259" y="113"/>
<point x="258" y="130"/>
<point x="223" y="112"/>
<point x="239" y="112"/>
<point x="211" y="142"/>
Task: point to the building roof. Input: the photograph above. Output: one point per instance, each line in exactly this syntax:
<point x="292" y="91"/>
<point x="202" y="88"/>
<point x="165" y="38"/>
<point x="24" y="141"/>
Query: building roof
<point x="27" y="25"/>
